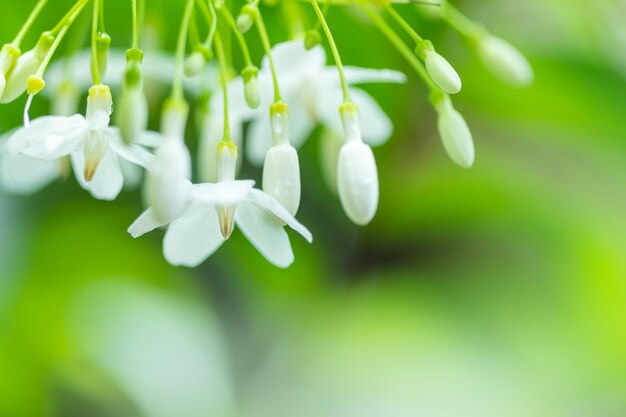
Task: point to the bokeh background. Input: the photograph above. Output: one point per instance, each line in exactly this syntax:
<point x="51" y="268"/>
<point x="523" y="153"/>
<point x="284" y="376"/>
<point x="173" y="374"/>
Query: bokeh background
<point x="495" y="291"/>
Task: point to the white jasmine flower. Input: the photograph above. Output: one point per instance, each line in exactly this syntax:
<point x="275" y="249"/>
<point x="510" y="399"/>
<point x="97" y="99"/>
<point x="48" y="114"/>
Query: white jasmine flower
<point x="213" y="210"/>
<point x="357" y="176"/>
<point x="312" y="91"/>
<point x="281" y="170"/>
<point x="454" y="132"/>
<point x="93" y="146"/>
<point x="505" y="61"/>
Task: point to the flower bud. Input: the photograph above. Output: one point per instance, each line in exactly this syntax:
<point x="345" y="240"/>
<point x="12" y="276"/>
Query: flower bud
<point x="103" y="44"/>
<point x="167" y="182"/>
<point x="312" y="38"/>
<point x="281" y="170"/>
<point x="251" y="86"/>
<point x="25" y="66"/>
<point x="8" y="56"/>
<point x="246" y="18"/>
<point x="226" y="168"/>
<point x="133" y="76"/>
<point x="174" y="119"/>
<point x="194" y="64"/>
<point x="505" y="61"/>
<point x="439" y="69"/>
<point x="455" y="135"/>
<point x="99" y="106"/>
<point x="132" y="115"/>
<point x="357" y="176"/>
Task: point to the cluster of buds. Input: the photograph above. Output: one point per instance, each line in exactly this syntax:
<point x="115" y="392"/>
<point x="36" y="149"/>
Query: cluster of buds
<point x="200" y="216"/>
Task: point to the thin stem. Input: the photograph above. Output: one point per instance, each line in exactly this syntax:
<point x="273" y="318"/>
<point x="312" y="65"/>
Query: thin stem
<point x="461" y="23"/>
<point x="333" y="47"/>
<point x="242" y="41"/>
<point x="135" y="29"/>
<point x="221" y="57"/>
<point x="78" y="5"/>
<point x="101" y="18"/>
<point x="404" y="24"/>
<point x="177" y="85"/>
<point x="401" y="47"/>
<point x="29" y="22"/>
<point x="95" y="71"/>
<point x="265" y="40"/>
<point x="194" y="34"/>
<point x="212" y="22"/>
<point x="325" y="10"/>
<point x="141" y="13"/>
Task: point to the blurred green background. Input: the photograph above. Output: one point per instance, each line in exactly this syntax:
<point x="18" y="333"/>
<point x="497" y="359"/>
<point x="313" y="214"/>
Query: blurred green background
<point x="495" y="291"/>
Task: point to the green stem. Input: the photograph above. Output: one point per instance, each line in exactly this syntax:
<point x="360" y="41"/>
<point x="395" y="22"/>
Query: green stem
<point x="404" y="24"/>
<point x="459" y="22"/>
<point x="333" y="47"/>
<point x="135" y="24"/>
<point x="29" y="22"/>
<point x="101" y="18"/>
<point x="177" y="85"/>
<point x="242" y="41"/>
<point x="221" y="57"/>
<point x="62" y="23"/>
<point x="194" y="34"/>
<point x="265" y="40"/>
<point x="95" y="71"/>
<point x="404" y="50"/>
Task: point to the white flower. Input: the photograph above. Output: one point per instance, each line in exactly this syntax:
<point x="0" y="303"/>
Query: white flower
<point x="212" y="211"/>
<point x="505" y="61"/>
<point x="93" y="146"/>
<point x="357" y="176"/>
<point x="312" y="91"/>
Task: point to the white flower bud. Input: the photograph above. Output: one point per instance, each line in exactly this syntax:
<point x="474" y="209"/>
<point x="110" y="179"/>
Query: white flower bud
<point x="194" y="64"/>
<point x="99" y="106"/>
<point x="25" y="66"/>
<point x="505" y="61"/>
<point x="226" y="168"/>
<point x="251" y="86"/>
<point x="132" y="114"/>
<point x="357" y="176"/>
<point x="442" y="73"/>
<point x="174" y="119"/>
<point x="246" y="18"/>
<point x="281" y="170"/>
<point x="455" y="135"/>
<point x="167" y="180"/>
<point x="8" y="56"/>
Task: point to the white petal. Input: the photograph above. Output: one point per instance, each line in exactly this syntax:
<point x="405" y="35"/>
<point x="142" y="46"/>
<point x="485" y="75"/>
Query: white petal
<point x="268" y="203"/>
<point x="226" y="193"/>
<point x="266" y="233"/>
<point x="193" y="237"/>
<point x="356" y="75"/>
<point x="281" y="176"/>
<point x="132" y="153"/>
<point x="25" y="175"/>
<point x="357" y="182"/>
<point x="145" y="223"/>
<point x="49" y="137"/>
<point x="108" y="180"/>
<point x="291" y="56"/>
<point x="301" y="123"/>
<point x="149" y="139"/>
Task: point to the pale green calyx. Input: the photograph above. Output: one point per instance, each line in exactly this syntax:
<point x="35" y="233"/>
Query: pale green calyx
<point x="439" y="69"/>
<point x="251" y="86"/>
<point x="246" y="18"/>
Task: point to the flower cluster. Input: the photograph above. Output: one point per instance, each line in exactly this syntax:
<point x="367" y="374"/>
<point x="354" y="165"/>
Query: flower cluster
<point x="280" y="102"/>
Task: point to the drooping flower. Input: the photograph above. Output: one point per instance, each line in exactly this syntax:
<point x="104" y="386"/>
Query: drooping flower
<point x="312" y="91"/>
<point x="213" y="210"/>
<point x="93" y="146"/>
<point x="455" y="134"/>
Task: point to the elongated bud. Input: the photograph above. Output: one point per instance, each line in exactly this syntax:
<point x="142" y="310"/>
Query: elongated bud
<point x="246" y="18"/>
<point x="132" y="109"/>
<point x="8" y="57"/>
<point x="357" y="176"/>
<point x="455" y="135"/>
<point x="197" y="61"/>
<point x="226" y="167"/>
<point x="504" y="61"/>
<point x="439" y="69"/>
<point x="25" y="66"/>
<point x="103" y="44"/>
<point x="251" y="86"/>
<point x="174" y="118"/>
<point x="167" y="180"/>
<point x="312" y="38"/>
<point x="281" y="170"/>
